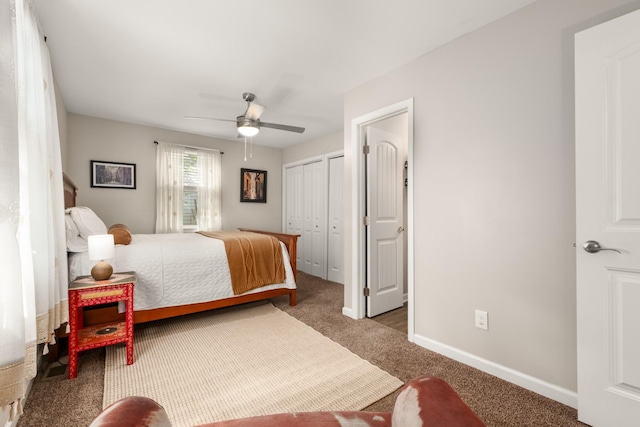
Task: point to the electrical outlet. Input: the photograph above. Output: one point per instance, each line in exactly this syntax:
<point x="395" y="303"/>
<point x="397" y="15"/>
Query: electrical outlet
<point x="482" y="320"/>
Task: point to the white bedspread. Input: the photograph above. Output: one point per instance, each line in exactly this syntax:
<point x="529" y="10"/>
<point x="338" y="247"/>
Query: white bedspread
<point x="174" y="269"/>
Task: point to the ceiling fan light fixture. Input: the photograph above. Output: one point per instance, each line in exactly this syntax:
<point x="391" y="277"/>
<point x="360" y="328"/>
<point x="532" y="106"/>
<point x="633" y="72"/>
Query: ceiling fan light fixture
<point x="248" y="129"/>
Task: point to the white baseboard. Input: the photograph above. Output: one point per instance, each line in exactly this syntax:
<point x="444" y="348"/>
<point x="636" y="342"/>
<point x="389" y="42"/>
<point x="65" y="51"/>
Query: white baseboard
<point x="347" y="312"/>
<point x="559" y="394"/>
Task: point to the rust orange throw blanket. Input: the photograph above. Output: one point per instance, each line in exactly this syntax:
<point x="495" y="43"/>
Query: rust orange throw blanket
<point x="254" y="259"/>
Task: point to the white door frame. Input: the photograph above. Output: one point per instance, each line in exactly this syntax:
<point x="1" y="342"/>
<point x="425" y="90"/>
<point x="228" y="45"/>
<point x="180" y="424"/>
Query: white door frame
<point x="358" y="251"/>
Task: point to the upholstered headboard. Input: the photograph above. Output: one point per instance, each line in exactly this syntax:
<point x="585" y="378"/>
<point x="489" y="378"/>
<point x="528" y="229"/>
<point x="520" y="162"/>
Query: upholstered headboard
<point x="70" y="192"/>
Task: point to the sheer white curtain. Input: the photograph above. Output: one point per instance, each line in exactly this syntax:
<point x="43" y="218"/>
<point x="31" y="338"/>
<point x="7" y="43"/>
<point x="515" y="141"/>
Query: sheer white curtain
<point x="12" y="329"/>
<point x="169" y="187"/>
<point x="33" y="261"/>
<point x="209" y="217"/>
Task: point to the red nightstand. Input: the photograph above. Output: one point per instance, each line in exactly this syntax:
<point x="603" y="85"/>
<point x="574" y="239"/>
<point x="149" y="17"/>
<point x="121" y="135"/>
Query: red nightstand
<point x="85" y="292"/>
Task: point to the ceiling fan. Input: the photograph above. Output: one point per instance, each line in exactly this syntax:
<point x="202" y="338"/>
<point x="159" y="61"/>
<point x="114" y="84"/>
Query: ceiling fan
<point x="249" y="124"/>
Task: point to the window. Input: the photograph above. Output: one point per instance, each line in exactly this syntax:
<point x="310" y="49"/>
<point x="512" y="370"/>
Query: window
<point x="187" y="189"/>
<point x="190" y="193"/>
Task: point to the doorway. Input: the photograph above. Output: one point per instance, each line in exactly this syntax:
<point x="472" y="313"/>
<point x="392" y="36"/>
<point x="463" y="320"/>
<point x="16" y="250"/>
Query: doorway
<point x="362" y="237"/>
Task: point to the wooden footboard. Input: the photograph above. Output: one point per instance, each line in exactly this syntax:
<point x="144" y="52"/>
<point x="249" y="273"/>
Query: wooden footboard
<point x="289" y="240"/>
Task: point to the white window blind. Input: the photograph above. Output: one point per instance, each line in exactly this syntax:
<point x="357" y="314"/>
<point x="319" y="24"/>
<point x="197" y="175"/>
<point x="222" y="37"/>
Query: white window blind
<point x="191" y="183"/>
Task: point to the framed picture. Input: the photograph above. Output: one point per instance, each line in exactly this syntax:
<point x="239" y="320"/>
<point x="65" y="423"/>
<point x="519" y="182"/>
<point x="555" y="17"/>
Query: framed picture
<point x="253" y="185"/>
<point x="113" y="175"/>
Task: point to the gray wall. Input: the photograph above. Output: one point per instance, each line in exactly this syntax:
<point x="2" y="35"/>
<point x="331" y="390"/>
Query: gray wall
<point x="494" y="196"/>
<point x="91" y="138"/>
<point x="326" y="144"/>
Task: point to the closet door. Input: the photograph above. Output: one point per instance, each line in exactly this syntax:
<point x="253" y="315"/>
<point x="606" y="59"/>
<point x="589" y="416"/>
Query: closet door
<point x="307" y="223"/>
<point x="305" y="210"/>
<point x="294" y="206"/>
<point x="335" y="247"/>
<point x="317" y="216"/>
<point x="312" y="194"/>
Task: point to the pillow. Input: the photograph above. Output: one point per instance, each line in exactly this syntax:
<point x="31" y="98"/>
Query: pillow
<point x="75" y="242"/>
<point x="87" y="221"/>
<point x="121" y="234"/>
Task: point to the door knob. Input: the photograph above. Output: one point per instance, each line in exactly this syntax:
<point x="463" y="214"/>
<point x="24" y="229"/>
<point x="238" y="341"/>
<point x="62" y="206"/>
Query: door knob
<point x="593" y="247"/>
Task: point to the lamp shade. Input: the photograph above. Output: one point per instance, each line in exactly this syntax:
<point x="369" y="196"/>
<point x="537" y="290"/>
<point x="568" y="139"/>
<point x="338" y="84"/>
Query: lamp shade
<point x="101" y="246"/>
<point x="248" y="130"/>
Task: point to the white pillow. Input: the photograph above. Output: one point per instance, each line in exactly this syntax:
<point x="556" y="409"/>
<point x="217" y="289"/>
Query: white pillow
<point x="87" y="221"/>
<point x="75" y="242"/>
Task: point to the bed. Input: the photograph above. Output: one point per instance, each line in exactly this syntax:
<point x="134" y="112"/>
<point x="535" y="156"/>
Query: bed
<point x="176" y="276"/>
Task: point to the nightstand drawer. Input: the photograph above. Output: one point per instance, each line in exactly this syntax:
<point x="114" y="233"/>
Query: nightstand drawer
<point x="100" y="294"/>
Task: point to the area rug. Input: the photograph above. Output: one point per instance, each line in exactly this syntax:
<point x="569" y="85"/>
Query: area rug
<point x="238" y="363"/>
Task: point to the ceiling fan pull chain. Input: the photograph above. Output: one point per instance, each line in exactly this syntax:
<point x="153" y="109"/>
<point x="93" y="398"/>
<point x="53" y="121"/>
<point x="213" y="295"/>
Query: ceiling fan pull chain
<point x="251" y="148"/>
<point x="245" y="148"/>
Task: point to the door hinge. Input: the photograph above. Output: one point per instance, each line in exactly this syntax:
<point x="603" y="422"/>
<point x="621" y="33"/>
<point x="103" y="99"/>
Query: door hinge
<point x="365" y="149"/>
<point x="365" y="220"/>
<point x="367" y="292"/>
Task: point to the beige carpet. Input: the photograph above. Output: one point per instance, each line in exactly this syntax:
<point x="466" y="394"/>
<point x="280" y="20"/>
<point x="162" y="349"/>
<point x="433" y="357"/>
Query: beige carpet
<point x="232" y="364"/>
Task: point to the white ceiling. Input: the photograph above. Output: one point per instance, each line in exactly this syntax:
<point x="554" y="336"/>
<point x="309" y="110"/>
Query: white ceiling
<point x="152" y="62"/>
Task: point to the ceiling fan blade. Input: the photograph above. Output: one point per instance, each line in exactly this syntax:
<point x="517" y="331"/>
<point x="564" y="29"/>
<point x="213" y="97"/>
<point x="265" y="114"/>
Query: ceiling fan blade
<point x="282" y="127"/>
<point x="254" y="111"/>
<point x="209" y="118"/>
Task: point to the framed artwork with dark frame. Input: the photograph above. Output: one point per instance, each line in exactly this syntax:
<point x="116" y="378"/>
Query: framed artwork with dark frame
<point x="253" y="185"/>
<point x="113" y="175"/>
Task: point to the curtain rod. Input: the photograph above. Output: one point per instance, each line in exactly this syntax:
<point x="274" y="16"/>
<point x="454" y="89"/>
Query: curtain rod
<point x="193" y="148"/>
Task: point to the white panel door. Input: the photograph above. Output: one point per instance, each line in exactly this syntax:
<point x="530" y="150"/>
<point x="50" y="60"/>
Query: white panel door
<point x="307" y="221"/>
<point x="385" y="234"/>
<point x="306" y="215"/>
<point x="608" y="211"/>
<point x="317" y="194"/>
<point x="313" y="224"/>
<point x="335" y="251"/>
<point x="294" y="205"/>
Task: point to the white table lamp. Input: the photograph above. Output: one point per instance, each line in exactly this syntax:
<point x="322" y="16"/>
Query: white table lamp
<point x="101" y="247"/>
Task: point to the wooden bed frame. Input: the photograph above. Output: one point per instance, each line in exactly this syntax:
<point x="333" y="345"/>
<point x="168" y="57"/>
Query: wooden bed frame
<point x="106" y="314"/>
